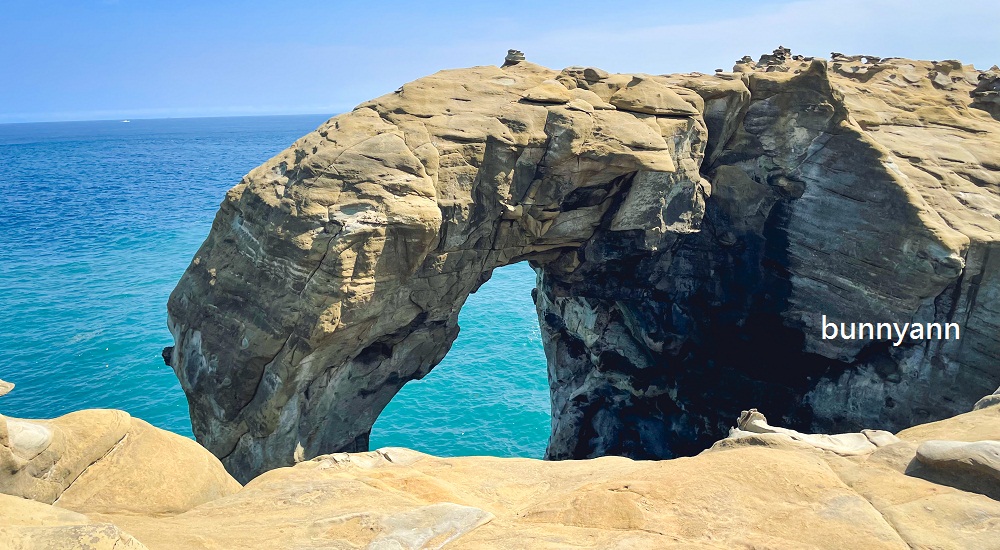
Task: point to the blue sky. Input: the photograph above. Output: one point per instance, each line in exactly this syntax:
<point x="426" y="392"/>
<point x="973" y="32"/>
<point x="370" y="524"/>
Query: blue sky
<point x="86" y="60"/>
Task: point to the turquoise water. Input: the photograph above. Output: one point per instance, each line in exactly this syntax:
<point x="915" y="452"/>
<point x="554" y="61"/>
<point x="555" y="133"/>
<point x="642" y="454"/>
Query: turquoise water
<point x="98" y="220"/>
<point x="490" y="394"/>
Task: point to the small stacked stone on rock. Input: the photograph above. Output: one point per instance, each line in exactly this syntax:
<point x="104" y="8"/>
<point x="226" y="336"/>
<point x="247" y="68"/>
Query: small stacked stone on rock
<point x="777" y="58"/>
<point x="513" y="58"/>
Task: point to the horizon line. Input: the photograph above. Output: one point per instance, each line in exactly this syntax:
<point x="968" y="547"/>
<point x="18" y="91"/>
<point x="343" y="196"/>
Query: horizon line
<point x="166" y="118"/>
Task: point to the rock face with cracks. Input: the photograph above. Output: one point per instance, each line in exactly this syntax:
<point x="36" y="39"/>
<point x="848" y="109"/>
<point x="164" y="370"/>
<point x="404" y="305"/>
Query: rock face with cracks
<point x="688" y="231"/>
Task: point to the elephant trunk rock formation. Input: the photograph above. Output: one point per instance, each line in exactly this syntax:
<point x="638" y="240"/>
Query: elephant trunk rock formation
<point x="688" y="232"/>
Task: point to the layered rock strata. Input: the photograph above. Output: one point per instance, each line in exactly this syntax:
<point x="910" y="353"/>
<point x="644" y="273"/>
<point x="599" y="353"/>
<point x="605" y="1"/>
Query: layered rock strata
<point x="688" y="232"/>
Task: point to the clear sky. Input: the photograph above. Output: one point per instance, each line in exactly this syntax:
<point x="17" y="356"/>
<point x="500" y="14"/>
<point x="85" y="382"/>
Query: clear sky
<point x="90" y="59"/>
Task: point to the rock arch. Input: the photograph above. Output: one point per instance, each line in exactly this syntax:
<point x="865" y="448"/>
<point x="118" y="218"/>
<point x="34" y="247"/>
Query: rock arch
<point x="334" y="272"/>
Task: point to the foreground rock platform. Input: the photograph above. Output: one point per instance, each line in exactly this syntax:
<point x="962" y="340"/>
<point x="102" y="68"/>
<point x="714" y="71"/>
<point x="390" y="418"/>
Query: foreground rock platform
<point x="105" y="460"/>
<point x="689" y="232"/>
<point x="762" y="487"/>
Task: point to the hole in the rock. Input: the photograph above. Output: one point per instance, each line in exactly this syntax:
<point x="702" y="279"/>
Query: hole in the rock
<point x="489" y="396"/>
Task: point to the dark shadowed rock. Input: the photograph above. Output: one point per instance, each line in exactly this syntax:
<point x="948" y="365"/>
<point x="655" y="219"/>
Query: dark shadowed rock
<point x="167" y="354"/>
<point x="986" y="96"/>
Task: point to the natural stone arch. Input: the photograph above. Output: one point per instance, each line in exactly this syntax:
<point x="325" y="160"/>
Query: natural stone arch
<point x="364" y="238"/>
<point x="334" y="272"/>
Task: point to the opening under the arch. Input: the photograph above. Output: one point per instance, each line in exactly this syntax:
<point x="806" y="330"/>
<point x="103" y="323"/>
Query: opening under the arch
<point x="490" y="394"/>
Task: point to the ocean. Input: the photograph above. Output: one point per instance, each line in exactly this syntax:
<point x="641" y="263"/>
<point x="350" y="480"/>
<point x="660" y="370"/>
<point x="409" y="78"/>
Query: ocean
<point x="98" y="220"/>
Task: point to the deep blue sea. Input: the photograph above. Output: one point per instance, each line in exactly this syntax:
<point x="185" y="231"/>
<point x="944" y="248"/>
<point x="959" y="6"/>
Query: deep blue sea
<point x="98" y="220"/>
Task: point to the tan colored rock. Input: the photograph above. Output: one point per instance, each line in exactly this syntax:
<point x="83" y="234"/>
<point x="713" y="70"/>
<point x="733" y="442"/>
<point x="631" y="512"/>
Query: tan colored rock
<point x="30" y="525"/>
<point x="970" y="466"/>
<point x="979" y="425"/>
<point x="644" y="95"/>
<point x="976" y="463"/>
<point x="44" y="457"/>
<point x="780" y="493"/>
<point x="549" y="91"/>
<point x="924" y="514"/>
<point x="394" y="230"/>
<point x="591" y="98"/>
<point x="103" y="461"/>
<point x="24" y="512"/>
<point x="692" y="237"/>
<point x="5" y="388"/>
<point x="98" y="536"/>
<point x="723" y="500"/>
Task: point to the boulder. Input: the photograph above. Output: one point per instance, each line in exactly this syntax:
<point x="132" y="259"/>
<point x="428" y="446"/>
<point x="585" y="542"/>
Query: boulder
<point x="591" y="98"/>
<point x="645" y="95"/>
<point x="549" y="91"/>
<point x="104" y="461"/>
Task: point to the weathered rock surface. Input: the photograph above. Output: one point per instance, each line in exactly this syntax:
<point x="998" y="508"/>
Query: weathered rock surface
<point x="979" y="425"/>
<point x="689" y="231"/>
<point x="722" y="500"/>
<point x="752" y="428"/>
<point x="763" y="487"/>
<point x="105" y="461"/>
<point x="981" y="458"/>
<point x="348" y="256"/>
<point x="976" y="464"/>
<point x="988" y="401"/>
<point x="29" y="525"/>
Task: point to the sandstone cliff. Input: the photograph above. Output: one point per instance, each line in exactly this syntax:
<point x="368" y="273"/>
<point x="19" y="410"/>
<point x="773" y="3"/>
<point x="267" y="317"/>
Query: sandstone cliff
<point x="932" y="486"/>
<point x="688" y="232"/>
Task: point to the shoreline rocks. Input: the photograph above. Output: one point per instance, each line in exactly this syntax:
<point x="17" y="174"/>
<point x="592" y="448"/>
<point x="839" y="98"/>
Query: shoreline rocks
<point x="103" y="461"/>
<point x="764" y="486"/>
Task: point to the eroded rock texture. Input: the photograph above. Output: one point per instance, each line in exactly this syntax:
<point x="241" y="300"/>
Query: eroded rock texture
<point x="688" y="232"/>
<point x="763" y="486"/>
<point x="102" y="461"/>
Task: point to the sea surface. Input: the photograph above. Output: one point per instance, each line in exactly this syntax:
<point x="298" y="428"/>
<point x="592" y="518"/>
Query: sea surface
<point x="98" y="220"/>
